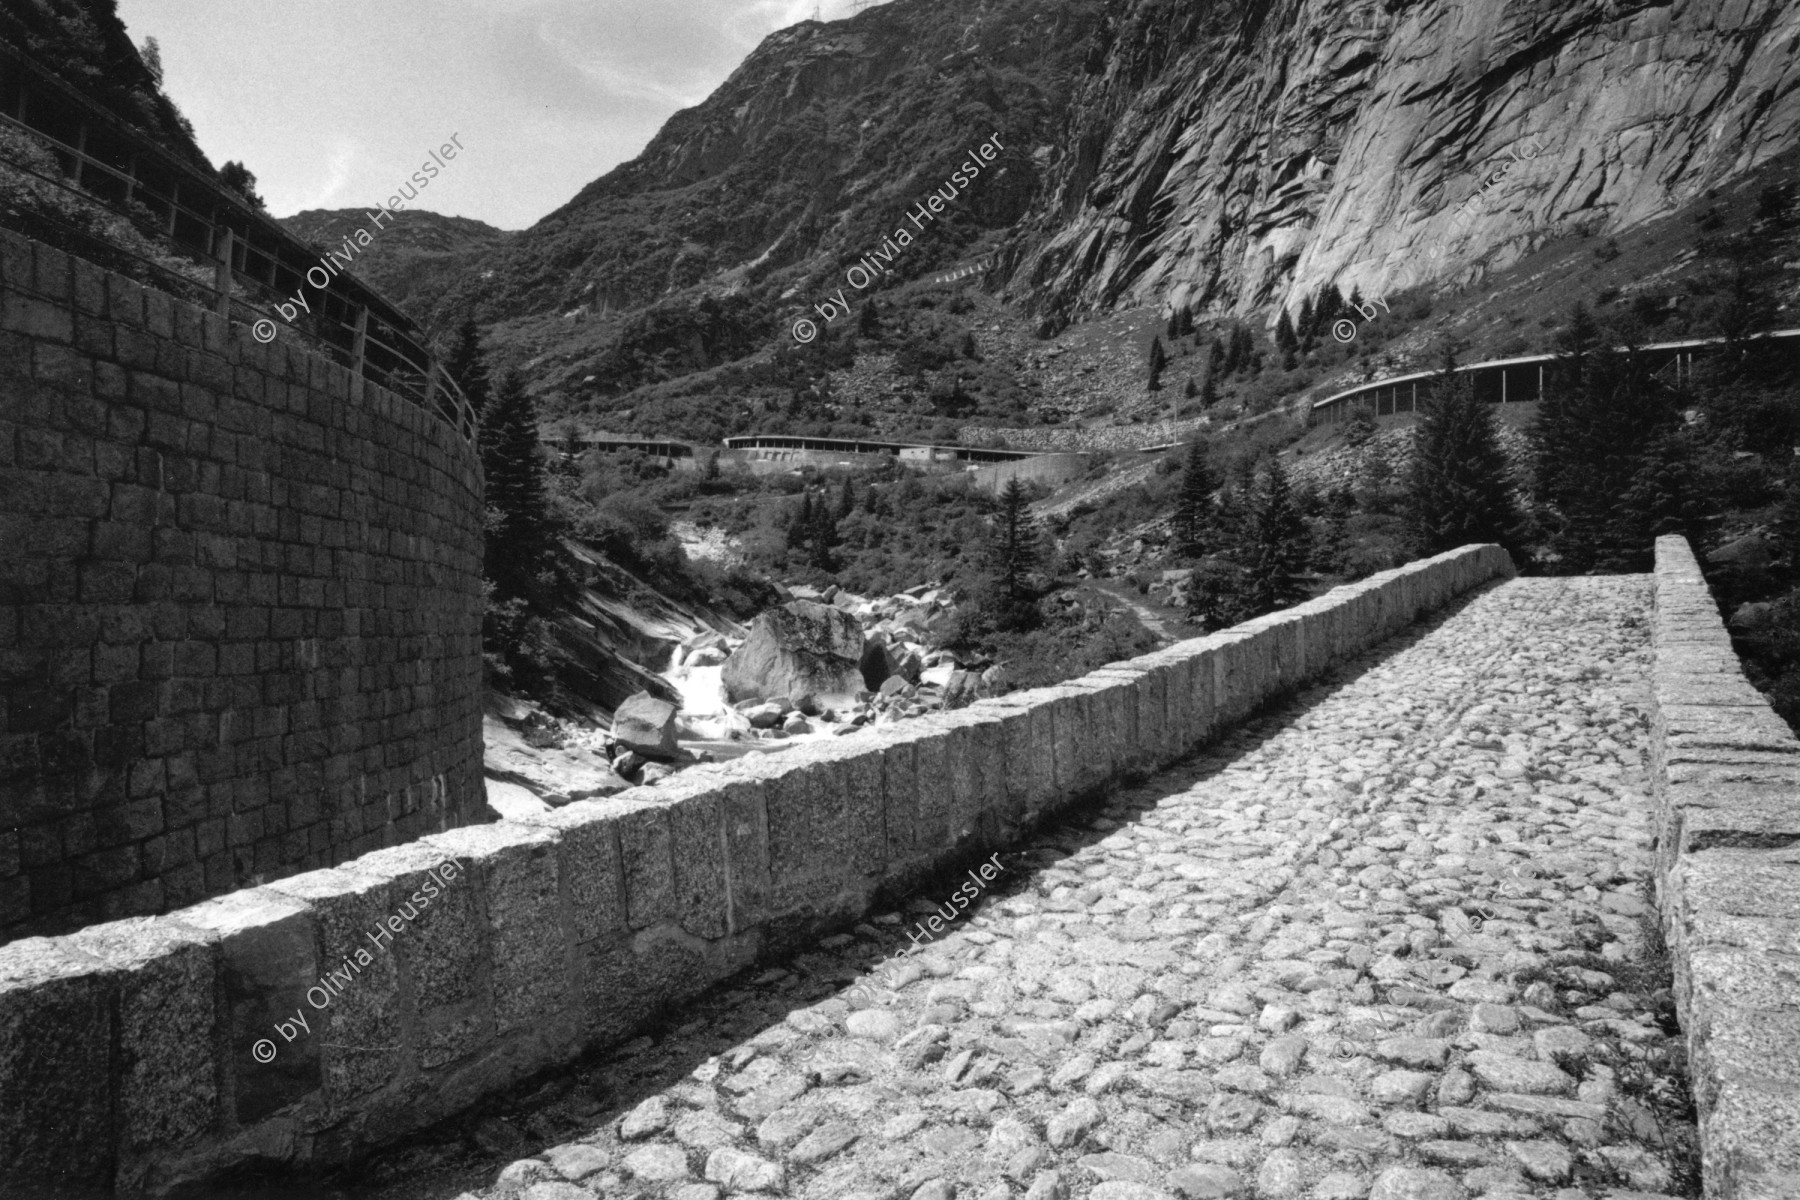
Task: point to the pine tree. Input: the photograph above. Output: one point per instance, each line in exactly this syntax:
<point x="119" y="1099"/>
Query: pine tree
<point x="1668" y="493"/>
<point x="1158" y="359"/>
<point x="1285" y="341"/>
<point x="800" y="525"/>
<point x="846" y="499"/>
<point x="151" y="53"/>
<point x="868" y="324"/>
<point x="1600" y="417"/>
<point x="1276" y="550"/>
<point x="1173" y="329"/>
<point x="1189" y="391"/>
<point x="1209" y="390"/>
<point x="1460" y="489"/>
<point x="1243" y="347"/>
<point x="1308" y="326"/>
<point x="1015" y="555"/>
<point x="1330" y="306"/>
<point x="1193" y="523"/>
<point x="1333" y="553"/>
<point x="822" y="537"/>
<point x="468" y="366"/>
<point x="521" y="528"/>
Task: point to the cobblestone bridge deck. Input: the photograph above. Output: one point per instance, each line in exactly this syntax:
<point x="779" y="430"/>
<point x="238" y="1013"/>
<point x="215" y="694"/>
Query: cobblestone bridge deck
<point x="1390" y="940"/>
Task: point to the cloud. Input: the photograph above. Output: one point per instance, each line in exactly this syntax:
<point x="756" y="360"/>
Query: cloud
<point x="337" y="174"/>
<point x="549" y="94"/>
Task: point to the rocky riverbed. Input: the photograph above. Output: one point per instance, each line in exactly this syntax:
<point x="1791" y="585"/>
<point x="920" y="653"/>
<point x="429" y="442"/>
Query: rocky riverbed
<point x="1389" y="942"/>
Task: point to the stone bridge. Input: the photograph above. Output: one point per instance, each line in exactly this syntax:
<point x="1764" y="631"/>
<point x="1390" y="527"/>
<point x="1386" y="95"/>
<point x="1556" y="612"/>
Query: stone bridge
<point x="1435" y="887"/>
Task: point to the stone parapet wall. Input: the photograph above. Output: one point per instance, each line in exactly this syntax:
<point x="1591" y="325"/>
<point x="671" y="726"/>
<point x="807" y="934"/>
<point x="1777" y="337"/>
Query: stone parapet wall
<point x="240" y="605"/>
<point x="137" y="1042"/>
<point x="1726" y="775"/>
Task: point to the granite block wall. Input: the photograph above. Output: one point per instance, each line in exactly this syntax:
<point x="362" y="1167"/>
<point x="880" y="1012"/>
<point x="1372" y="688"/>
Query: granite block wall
<point x="240" y="605"/>
<point x="314" y="1017"/>
<point x="1726" y="776"/>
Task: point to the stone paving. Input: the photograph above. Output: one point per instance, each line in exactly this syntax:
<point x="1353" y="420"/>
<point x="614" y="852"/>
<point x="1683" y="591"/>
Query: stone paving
<point x="1390" y="942"/>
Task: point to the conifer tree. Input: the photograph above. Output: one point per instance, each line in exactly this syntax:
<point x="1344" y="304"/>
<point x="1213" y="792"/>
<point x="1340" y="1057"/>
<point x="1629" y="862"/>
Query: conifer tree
<point x="1243" y="347"/>
<point x="846" y="499"/>
<point x="1015" y="555"/>
<point x="1189" y="391"/>
<point x="800" y="525"/>
<point x="1275" y="551"/>
<point x="1329" y="308"/>
<point x="1307" y="328"/>
<point x="821" y="536"/>
<point x="1600" y="417"/>
<point x="1460" y="489"/>
<point x="1193" y="523"/>
<point x="468" y="366"/>
<point x="521" y="530"/>
<point x="1333" y="553"/>
<point x="1285" y="341"/>
<point x="1158" y="359"/>
<point x="868" y="324"/>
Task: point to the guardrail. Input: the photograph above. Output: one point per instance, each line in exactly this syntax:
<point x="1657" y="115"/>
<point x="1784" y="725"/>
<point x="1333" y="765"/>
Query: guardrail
<point x="251" y="258"/>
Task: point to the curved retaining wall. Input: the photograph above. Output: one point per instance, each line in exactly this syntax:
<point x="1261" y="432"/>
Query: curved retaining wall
<point x="136" y="1041"/>
<point x="240" y="605"/>
<point x="1726" y="774"/>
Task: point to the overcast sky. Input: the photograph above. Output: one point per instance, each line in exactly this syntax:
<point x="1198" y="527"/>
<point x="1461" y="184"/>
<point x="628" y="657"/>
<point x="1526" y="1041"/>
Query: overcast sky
<point x="333" y="103"/>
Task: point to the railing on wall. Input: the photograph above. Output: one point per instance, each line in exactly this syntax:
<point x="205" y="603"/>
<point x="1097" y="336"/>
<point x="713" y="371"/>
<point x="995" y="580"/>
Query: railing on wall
<point x="249" y="262"/>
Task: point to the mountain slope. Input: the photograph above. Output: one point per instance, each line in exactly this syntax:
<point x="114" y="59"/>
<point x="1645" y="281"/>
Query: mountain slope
<point x="816" y="147"/>
<point x="1230" y="157"/>
<point x="417" y="256"/>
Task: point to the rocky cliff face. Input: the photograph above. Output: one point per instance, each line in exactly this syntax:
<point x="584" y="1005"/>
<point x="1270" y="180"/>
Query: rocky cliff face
<point x="1247" y="157"/>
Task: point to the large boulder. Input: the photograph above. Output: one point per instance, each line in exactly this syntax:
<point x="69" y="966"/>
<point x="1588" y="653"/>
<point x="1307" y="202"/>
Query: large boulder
<point x="794" y="649"/>
<point x="1751" y="550"/>
<point x="879" y="663"/>
<point x="647" y="725"/>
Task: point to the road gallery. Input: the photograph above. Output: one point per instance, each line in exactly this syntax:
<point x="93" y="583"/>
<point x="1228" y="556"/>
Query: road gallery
<point x="875" y="264"/>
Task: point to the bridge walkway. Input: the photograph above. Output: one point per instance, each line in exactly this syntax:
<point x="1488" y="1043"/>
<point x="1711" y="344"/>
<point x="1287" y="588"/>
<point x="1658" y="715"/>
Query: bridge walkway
<point x="1388" y="941"/>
